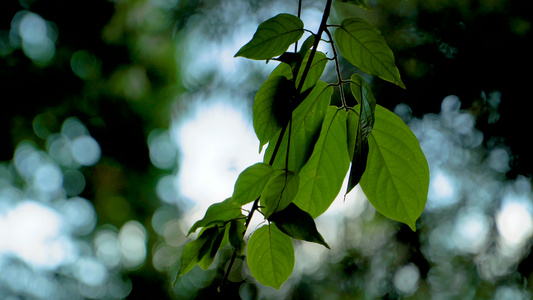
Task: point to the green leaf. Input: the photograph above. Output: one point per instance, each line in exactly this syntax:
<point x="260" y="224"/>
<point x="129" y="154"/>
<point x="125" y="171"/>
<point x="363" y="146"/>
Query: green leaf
<point x="273" y="37"/>
<point x="365" y="122"/>
<point x="270" y="256"/>
<point x="272" y="107"/>
<point x="222" y="211"/>
<point x="236" y="235"/>
<point x="307" y="121"/>
<point x="362" y="45"/>
<point x="251" y="183"/>
<point x="322" y="176"/>
<point x="360" y="3"/>
<point x="279" y="192"/>
<point x="396" y="179"/>
<point x="297" y="224"/>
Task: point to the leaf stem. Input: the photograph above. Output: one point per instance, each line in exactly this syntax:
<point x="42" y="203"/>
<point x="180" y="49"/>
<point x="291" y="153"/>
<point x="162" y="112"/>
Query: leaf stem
<point x="323" y="26"/>
<point x="337" y="68"/>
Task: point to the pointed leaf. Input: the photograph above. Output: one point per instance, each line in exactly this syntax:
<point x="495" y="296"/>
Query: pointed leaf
<point x="396" y="179"/>
<point x="279" y="192"/>
<point x="297" y="224"/>
<point x="360" y="3"/>
<point x="307" y="121"/>
<point x="270" y="256"/>
<point x="271" y="107"/>
<point x="362" y="45"/>
<point x="251" y="183"/>
<point x="273" y="37"/>
<point x="306" y="45"/>
<point x="365" y="121"/>
<point x="222" y="211"/>
<point x="321" y="178"/>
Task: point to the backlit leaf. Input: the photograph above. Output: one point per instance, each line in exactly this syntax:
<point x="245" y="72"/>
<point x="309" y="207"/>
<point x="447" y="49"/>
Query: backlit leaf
<point x="273" y="37"/>
<point x="362" y="45"/>
<point x="322" y="176"/>
<point x="396" y="179"/>
<point x="270" y="256"/>
<point x="297" y="224"/>
<point x="222" y="211"/>
<point x="251" y="183"/>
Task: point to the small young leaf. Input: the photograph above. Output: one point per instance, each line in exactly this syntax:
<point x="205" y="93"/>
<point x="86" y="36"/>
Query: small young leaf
<point x="307" y="121"/>
<point x="322" y="176"/>
<point x="315" y="71"/>
<point x="306" y="45"/>
<point x="396" y="179"/>
<point x="313" y="75"/>
<point x="236" y="235"/>
<point x="222" y="211"/>
<point x="251" y="183"/>
<point x="273" y="37"/>
<point x="279" y="192"/>
<point x="297" y="224"/>
<point x="272" y="107"/>
<point x="360" y="3"/>
<point x="362" y="45"/>
<point x="270" y="256"/>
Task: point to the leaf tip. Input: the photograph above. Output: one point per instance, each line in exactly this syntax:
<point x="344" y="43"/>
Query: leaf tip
<point x="412" y="225"/>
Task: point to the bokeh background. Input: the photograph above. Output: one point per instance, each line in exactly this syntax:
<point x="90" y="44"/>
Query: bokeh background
<point x="122" y="121"/>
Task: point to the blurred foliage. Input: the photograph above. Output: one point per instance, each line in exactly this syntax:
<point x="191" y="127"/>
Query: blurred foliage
<point x="117" y="66"/>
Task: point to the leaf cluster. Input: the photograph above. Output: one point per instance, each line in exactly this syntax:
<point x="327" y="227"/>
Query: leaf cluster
<point x="312" y="146"/>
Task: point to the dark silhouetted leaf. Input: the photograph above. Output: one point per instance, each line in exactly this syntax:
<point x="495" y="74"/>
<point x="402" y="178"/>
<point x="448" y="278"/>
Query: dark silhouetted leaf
<point x="298" y="224"/>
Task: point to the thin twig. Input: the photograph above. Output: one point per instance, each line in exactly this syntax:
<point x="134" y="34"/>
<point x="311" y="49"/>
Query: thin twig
<point x="337" y="68"/>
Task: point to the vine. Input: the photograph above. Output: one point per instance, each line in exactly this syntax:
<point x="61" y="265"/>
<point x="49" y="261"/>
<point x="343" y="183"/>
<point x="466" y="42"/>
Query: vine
<point x="312" y="146"/>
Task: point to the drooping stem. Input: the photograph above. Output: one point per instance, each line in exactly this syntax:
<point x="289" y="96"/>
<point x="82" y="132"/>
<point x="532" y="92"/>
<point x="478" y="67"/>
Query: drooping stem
<point x="337" y="68"/>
